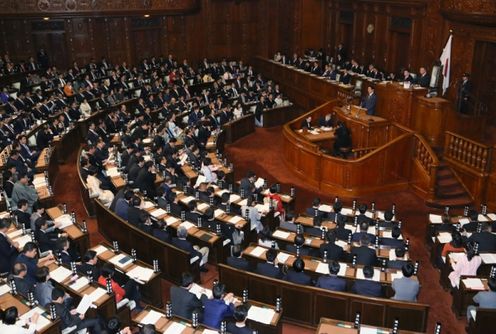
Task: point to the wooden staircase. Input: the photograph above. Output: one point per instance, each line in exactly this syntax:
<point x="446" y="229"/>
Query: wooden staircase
<point x="449" y="191"/>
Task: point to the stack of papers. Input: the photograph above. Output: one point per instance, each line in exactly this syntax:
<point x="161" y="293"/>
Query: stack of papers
<point x="80" y="283"/>
<point x="455" y="257"/>
<point x="257" y="251"/>
<point x="444" y="237"/>
<point x="171" y="220"/>
<point x="341" y="243"/>
<point x="281" y="234"/>
<point x="40" y="324"/>
<point x="187" y="225"/>
<point x="376" y="277"/>
<point x="23" y="240"/>
<point x="369" y="214"/>
<point x="218" y="213"/>
<point x="4" y="289"/>
<point x="482" y="218"/>
<point x="325" y="208"/>
<point x="60" y="274"/>
<point x="15" y="234"/>
<point x="97" y="294"/>
<point x="199" y="180"/>
<point x="63" y="221"/>
<point x="235" y="219"/>
<point x="140" y="273"/>
<point x="174" y="328"/>
<point x="492" y="216"/>
<point x="121" y="260"/>
<point x="39" y="182"/>
<point x="202" y="206"/>
<point x="435" y="219"/>
<point x="147" y="205"/>
<point x="4" y="214"/>
<point x="187" y="199"/>
<point x="151" y="318"/>
<point x="283" y="257"/>
<point x="346" y="212"/>
<point x="463" y="221"/>
<point x="158" y="213"/>
<point x="488" y="258"/>
<point x="473" y="284"/>
<point x="100" y="249"/>
<point x="112" y="172"/>
<point x="322" y="268"/>
<point x="262" y="208"/>
<point x="260" y="314"/>
<point x="234" y="198"/>
<point x="259" y="183"/>
<point x="198" y="291"/>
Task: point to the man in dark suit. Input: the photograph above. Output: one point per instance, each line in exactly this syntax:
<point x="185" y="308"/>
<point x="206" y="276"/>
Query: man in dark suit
<point x="388" y="220"/>
<point x="70" y="318"/>
<point x="345" y="78"/>
<point x="21" y="213"/>
<point x="464" y="94"/>
<point x="473" y="224"/>
<point x="333" y="251"/>
<point x="307" y="123"/>
<point x="398" y="263"/>
<point x="268" y="268"/>
<point x="424" y="79"/>
<point x="394" y="241"/>
<point x="8" y="250"/>
<point x="364" y="226"/>
<point x="88" y="265"/>
<point x="161" y="232"/>
<point x="137" y="216"/>
<point x="297" y="275"/>
<point x="194" y="251"/>
<point x="237" y="261"/>
<point x="239" y="326"/>
<point x="367" y="287"/>
<point x="332" y="281"/>
<point x="370" y="101"/>
<point x="19" y="273"/>
<point x="362" y="217"/>
<point x="184" y="302"/>
<point x="146" y="180"/>
<point x="364" y="255"/>
<point x="485" y="239"/>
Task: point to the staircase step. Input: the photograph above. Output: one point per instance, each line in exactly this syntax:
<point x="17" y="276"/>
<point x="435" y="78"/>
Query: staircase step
<point x="456" y="192"/>
<point x="459" y="202"/>
<point x="447" y="181"/>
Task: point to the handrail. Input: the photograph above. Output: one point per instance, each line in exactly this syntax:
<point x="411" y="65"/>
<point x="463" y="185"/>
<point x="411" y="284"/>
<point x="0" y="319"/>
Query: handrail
<point x="425" y="152"/>
<point x="360" y="152"/>
<point x="468" y="152"/>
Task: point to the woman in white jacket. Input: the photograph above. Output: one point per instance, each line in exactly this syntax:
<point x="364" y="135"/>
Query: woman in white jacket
<point x="105" y="196"/>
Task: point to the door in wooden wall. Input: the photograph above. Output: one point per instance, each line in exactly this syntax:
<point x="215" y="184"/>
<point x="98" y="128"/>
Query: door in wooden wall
<point x="400" y="51"/>
<point x="484" y="79"/>
<point x="54" y="42"/>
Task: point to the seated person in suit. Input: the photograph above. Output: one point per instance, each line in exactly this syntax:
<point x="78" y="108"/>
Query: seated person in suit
<point x="21" y="213"/>
<point x="128" y="289"/>
<point x="29" y="257"/>
<point x="472" y="226"/>
<point x="239" y="326"/>
<point x="122" y="204"/>
<point x="220" y="307"/>
<point x="361" y="217"/>
<point x="307" y="123"/>
<point x="44" y="287"/>
<point x="237" y="261"/>
<point x="333" y="251"/>
<point x="184" y="302"/>
<point x="393" y="242"/>
<point x="364" y="226"/>
<point x="455" y="245"/>
<point x="395" y="259"/>
<point x="289" y="223"/>
<point x="326" y="121"/>
<point x="388" y="220"/>
<point x="10" y="322"/>
<point x="364" y="255"/>
<point x="63" y="253"/>
<point x="332" y="281"/>
<point x="139" y="217"/>
<point x="19" y="273"/>
<point x="297" y="274"/>
<point x="299" y="242"/>
<point x="47" y="240"/>
<point x="8" y="248"/>
<point x="342" y="141"/>
<point x="194" y="250"/>
<point x="367" y="287"/>
<point x="314" y="210"/>
<point x="485" y="239"/>
<point x="265" y="238"/>
<point x="406" y="288"/>
<point x="70" y="318"/>
<point x="88" y="266"/>
<point x="269" y="268"/>
<point x="161" y="231"/>
<point x="484" y="299"/>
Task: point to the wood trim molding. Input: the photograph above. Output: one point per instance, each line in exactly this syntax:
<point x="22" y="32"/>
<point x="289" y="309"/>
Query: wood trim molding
<point x="482" y="19"/>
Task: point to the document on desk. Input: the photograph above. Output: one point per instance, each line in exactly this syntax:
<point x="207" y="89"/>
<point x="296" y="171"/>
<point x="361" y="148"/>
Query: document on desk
<point x="97" y="294"/>
<point x="346" y="212"/>
<point x="455" y="257"/>
<point x="112" y="172"/>
<point x="474" y="283"/>
<point x="218" y="213"/>
<point x="147" y="205"/>
<point x="187" y="225"/>
<point x="79" y="283"/>
<point x="15" y="234"/>
<point x="492" y="216"/>
<point x="322" y="268"/>
<point x="281" y="234"/>
<point x="262" y="208"/>
<point x="283" y="257"/>
<point x="42" y="321"/>
<point x="261" y="314"/>
<point x="325" y="208"/>
<point x="202" y="206"/>
<point x="376" y="277"/>
<point x="5" y="288"/>
<point x="368" y="330"/>
<point x="60" y="274"/>
<point x="140" y="273"/>
<point x="435" y="219"/>
<point x="121" y="260"/>
<point x="235" y="219"/>
<point x="100" y="249"/>
<point x="369" y="214"/>
<point x="233" y="198"/>
<point x="158" y="213"/>
<point x="444" y="237"/>
<point x="259" y="183"/>
<point x="258" y="251"/>
<point x="152" y="317"/>
<point x="341" y="243"/>
<point x="84" y="304"/>
<point x="396" y="275"/>
<point x="488" y="258"/>
<point x="342" y="269"/>
<point x="175" y="328"/>
<point x="64" y="221"/>
<point x="23" y="240"/>
<point x="187" y="199"/>
<point x="463" y="221"/>
<point x="482" y="218"/>
<point x="199" y="180"/>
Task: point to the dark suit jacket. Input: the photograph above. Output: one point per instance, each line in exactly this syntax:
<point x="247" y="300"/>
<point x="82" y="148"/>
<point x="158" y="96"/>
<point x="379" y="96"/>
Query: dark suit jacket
<point x="365" y="255"/>
<point x="85" y="268"/>
<point x="8" y="254"/>
<point x="298" y="277"/>
<point x="333" y="283"/>
<point x="367" y="288"/>
<point x="186" y="246"/>
<point x="358" y="235"/>
<point x="486" y="240"/>
<point x="238" y="263"/>
<point x="184" y="302"/>
<point x="146" y="182"/>
<point x="233" y="329"/>
<point x="391" y="242"/>
<point x="334" y="252"/>
<point x="268" y="269"/>
<point x="369" y="103"/>
<point x="67" y="319"/>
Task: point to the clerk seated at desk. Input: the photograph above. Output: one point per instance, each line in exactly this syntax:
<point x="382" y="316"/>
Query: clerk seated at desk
<point x="367" y="287"/>
<point x="332" y="281"/>
<point x="370" y="101"/>
<point x="326" y="121"/>
<point x="307" y="123"/>
<point x="342" y="142"/>
<point x="485" y="299"/>
<point x="345" y="78"/>
<point x="297" y="275"/>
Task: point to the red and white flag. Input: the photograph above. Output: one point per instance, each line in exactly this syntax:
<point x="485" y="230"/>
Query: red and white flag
<point x="446" y="64"/>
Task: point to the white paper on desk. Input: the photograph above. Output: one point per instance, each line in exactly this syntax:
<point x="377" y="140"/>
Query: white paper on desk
<point x="455" y="257"/>
<point x="5" y="288"/>
<point x="341" y="243"/>
<point x="197" y="290"/>
<point x="147" y="205"/>
<point x="281" y="234"/>
<point x="370" y="230"/>
<point x="314" y="132"/>
<point x="367" y="330"/>
<point x="218" y="213"/>
<point x="23" y="240"/>
<point x="444" y="237"/>
<point x="261" y="314"/>
<point x="492" y="216"/>
<point x="171" y="220"/>
<point x="233" y="198"/>
<point x="308" y="241"/>
<point x="221" y="192"/>
<point x="243" y="202"/>
<point x="15" y="234"/>
<point x="199" y="180"/>
<point x="325" y="208"/>
<point x="60" y="274"/>
<point x="175" y="328"/>
<point x="187" y="225"/>
<point x="63" y="221"/>
<point x="152" y="317"/>
<point x="84" y="304"/>
<point x="209" y="331"/>
<point x="147" y="157"/>
<point x="322" y="268"/>
<point x="398" y="274"/>
<point x="39" y="181"/>
<point x="187" y="199"/>
<point x="435" y="219"/>
<point x="111" y="172"/>
<point x="474" y="283"/>
<point x="283" y="257"/>
<point x="259" y="183"/>
<point x="369" y="214"/>
<point x="463" y="221"/>
<point x="346" y="212"/>
<point x="140" y="273"/>
<point x="158" y="213"/>
<point x="488" y="258"/>
<point x="235" y="219"/>
<point x="115" y="260"/>
<point x="80" y="283"/>
<point x="262" y="208"/>
<point x="258" y="251"/>
<point x="100" y="249"/>
<point x="4" y="214"/>
<point x="482" y="218"/>
<point x="97" y="294"/>
<point x="202" y="206"/>
<point x="376" y="277"/>
<point x="42" y="321"/>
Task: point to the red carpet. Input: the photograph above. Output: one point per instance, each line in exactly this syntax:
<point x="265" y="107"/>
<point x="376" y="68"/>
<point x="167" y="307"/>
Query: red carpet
<point x="262" y="152"/>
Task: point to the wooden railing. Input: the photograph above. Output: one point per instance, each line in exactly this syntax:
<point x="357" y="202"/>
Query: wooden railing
<point x="429" y="163"/>
<point x="468" y="152"/>
<point x="360" y="152"/>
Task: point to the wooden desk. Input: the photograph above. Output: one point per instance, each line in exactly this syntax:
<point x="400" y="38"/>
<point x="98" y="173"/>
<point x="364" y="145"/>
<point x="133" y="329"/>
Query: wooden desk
<point x="239" y="128"/>
<point x="328" y="326"/>
<point x="463" y="296"/>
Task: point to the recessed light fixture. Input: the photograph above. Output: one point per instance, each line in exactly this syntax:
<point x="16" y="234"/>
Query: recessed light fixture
<point x="46" y="18"/>
<point x="146" y="15"/>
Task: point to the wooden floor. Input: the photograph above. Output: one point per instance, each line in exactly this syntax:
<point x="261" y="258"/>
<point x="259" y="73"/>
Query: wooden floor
<point x="262" y="152"/>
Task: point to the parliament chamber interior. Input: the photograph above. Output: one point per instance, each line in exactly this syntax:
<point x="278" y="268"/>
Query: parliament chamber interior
<point x="247" y="166"/>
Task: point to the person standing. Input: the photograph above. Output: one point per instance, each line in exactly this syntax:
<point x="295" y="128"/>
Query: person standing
<point x="464" y="94"/>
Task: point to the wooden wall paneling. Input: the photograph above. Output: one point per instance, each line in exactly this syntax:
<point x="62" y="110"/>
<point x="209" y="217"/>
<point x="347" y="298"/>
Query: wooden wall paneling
<point x="80" y="38"/>
<point x="17" y="39"/>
